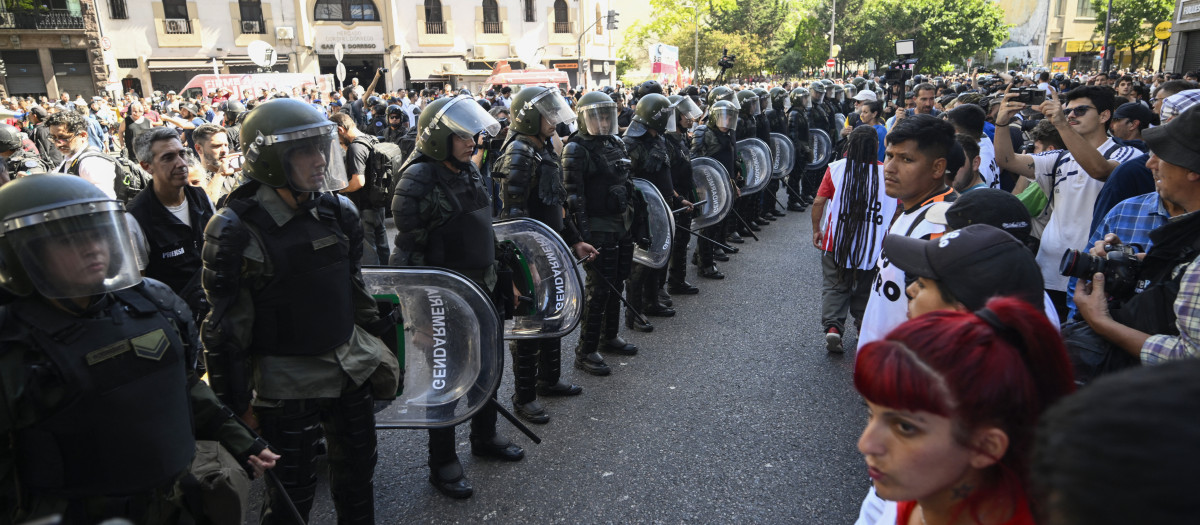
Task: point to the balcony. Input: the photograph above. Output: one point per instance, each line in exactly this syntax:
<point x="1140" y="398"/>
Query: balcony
<point x="48" y="19"/>
<point x="253" y="26"/>
<point x="177" y="26"/>
<point x="492" y="28"/>
<point x="435" y="28"/>
<point x="562" y="27"/>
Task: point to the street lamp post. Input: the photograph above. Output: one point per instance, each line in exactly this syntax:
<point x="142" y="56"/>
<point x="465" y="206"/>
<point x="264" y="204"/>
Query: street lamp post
<point x="1107" y="52"/>
<point x="832" y="29"/>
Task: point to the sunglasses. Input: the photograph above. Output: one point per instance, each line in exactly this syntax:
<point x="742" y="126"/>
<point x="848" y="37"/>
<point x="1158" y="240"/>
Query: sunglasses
<point x="1078" y="111"/>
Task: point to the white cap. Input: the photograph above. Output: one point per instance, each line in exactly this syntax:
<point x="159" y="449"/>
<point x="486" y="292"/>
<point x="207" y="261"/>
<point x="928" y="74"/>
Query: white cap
<point x="866" y="95"/>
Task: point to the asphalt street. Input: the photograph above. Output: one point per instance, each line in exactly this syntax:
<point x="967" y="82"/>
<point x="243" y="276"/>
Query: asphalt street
<point x="732" y="412"/>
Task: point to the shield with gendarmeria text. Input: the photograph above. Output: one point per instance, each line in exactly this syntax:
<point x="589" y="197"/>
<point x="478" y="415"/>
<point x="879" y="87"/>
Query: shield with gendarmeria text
<point x="448" y="340"/>
<point x="657" y="252"/>
<point x="547" y="279"/>
<point x="783" y="155"/>
<point x="714" y="189"/>
<point x="754" y="157"/>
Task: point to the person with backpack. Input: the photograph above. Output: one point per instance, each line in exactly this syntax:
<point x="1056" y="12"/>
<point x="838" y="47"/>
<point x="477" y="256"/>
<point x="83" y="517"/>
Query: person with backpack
<point x="368" y="189"/>
<point x="69" y="133"/>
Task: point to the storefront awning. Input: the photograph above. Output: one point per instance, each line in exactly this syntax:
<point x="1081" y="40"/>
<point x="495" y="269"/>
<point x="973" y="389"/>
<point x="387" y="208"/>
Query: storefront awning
<point x="430" y="68"/>
<point x="178" y="65"/>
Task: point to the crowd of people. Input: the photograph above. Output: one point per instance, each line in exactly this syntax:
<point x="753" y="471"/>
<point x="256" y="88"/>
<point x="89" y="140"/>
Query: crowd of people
<point x="993" y="241"/>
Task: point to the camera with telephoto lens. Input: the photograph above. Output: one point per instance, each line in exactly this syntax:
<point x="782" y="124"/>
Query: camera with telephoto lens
<point x="1030" y="96"/>
<point x="1120" y="267"/>
<point x="899" y="71"/>
<point x="727" y="60"/>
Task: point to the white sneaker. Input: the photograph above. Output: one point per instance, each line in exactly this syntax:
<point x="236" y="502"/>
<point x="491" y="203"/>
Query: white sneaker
<point x="833" y="340"/>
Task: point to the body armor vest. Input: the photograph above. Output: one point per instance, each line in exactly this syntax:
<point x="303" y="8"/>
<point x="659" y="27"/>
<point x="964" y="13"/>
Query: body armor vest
<point x="747" y="128"/>
<point x="466" y="241"/>
<point x="655" y="163"/>
<point x="545" y="191"/>
<point x="718" y="146"/>
<point x="606" y="185"/>
<point x="307" y="308"/>
<point x="798" y="126"/>
<point x="124" y="423"/>
<point x="763" y="131"/>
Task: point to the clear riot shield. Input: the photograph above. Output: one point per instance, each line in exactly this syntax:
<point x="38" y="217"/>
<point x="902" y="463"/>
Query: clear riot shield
<point x="783" y="155"/>
<point x="822" y="149"/>
<point x="547" y="273"/>
<point x="448" y="341"/>
<point x="713" y="186"/>
<point x="662" y="228"/>
<point x="755" y="157"/>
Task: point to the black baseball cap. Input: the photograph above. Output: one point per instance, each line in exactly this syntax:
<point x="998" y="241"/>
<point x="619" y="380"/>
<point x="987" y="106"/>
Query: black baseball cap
<point x="1135" y="111"/>
<point x="984" y="206"/>
<point x="973" y="264"/>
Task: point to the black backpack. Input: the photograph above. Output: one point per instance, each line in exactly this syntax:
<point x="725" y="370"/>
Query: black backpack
<point x="130" y="178"/>
<point x="383" y="170"/>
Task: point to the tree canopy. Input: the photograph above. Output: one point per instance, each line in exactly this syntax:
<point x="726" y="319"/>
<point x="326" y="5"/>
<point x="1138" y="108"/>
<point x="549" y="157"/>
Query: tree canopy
<point x="1133" y="24"/>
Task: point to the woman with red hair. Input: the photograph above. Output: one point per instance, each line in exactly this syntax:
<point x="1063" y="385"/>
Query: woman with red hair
<point x="954" y="398"/>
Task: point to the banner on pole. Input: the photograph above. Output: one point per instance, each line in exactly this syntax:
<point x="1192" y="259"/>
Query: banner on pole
<point x="663" y="59"/>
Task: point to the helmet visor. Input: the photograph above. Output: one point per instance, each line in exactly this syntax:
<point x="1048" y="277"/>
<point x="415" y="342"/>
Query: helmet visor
<point x="724" y="117"/>
<point x="464" y="118"/>
<point x="753" y="105"/>
<point x="78" y="250"/>
<point x="314" y="163"/>
<point x="600" y="119"/>
<point x="553" y="107"/>
<point x="688" y="108"/>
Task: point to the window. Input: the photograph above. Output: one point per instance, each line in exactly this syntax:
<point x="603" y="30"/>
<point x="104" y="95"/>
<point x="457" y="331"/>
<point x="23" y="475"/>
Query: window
<point x="491" y="17"/>
<point x="175" y="9"/>
<point x="116" y="10"/>
<point x="530" y="12"/>
<point x="251" y="10"/>
<point x="562" y="24"/>
<point x="1085" y="9"/>
<point x="346" y="11"/>
<point x="599" y="21"/>
<point x="127" y="63"/>
<point x="434" y="25"/>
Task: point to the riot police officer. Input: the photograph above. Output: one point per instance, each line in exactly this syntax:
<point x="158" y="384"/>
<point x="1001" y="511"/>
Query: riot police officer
<point x="397" y="124"/>
<point x="820" y="116"/>
<point x="742" y="220"/>
<point x="679" y="147"/>
<point x="444" y="218"/>
<point x="797" y="130"/>
<point x="600" y="194"/>
<point x="715" y="140"/>
<point x="650" y="160"/>
<point x="756" y="205"/>
<point x="776" y="117"/>
<point x="531" y="186"/>
<point x="18" y="161"/>
<point x="291" y="320"/>
<point x="233" y="112"/>
<point x="100" y="404"/>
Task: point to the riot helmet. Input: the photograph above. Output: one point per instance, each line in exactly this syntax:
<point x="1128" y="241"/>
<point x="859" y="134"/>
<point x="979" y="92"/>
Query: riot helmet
<point x="373" y="101"/>
<point x="817" y="88"/>
<point x="447" y="116"/>
<point x="779" y="98"/>
<point x="860" y="83"/>
<point x="10" y="139"/>
<point x="686" y="111"/>
<point x="397" y="111"/>
<point x="648" y="87"/>
<point x="62" y="237"/>
<point x="723" y="93"/>
<point x="533" y="103"/>
<point x="655" y="112"/>
<point x="801" y="98"/>
<point x="850" y="90"/>
<point x="233" y="106"/>
<point x="723" y="114"/>
<point x="838" y="92"/>
<point x="287" y="142"/>
<point x="597" y="115"/>
<point x="749" y="103"/>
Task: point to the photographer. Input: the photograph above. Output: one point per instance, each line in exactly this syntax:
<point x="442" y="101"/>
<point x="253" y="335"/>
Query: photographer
<point x="1143" y="325"/>
<point x="1070" y="179"/>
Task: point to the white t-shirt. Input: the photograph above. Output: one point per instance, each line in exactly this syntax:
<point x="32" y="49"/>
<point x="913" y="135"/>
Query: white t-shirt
<point x="95" y="170"/>
<point x="883" y="208"/>
<point x="876" y="510"/>
<point x="987" y="163"/>
<point x="887" y="307"/>
<point x="1072" y="193"/>
<point x="181" y="212"/>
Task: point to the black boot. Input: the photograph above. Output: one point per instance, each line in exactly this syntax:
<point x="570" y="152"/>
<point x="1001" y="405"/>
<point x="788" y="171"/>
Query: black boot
<point x="682" y="288"/>
<point x="632" y="322"/>
<point x="711" y="272"/>
<point x="525" y="369"/>
<point x="450" y="480"/>
<point x="617" y="345"/>
<point x="496" y="447"/>
<point x="532" y="411"/>
<point x="550" y="381"/>
<point x="735" y="237"/>
<point x="719" y="256"/>
<point x="664" y="298"/>
<point x="591" y="363"/>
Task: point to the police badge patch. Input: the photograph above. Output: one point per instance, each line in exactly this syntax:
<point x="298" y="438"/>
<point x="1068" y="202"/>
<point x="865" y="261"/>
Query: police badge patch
<point x="151" y="345"/>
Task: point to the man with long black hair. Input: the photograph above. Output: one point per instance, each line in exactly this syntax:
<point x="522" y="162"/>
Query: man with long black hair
<point x="850" y="232"/>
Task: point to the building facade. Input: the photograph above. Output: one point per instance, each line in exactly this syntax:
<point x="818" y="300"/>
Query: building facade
<point x="51" y="47"/>
<point x="1183" y="49"/>
<point x="160" y="45"/>
<point x="1075" y="32"/>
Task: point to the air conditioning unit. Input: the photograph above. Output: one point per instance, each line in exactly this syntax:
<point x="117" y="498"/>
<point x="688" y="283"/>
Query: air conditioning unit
<point x="251" y="27"/>
<point x="285" y="33"/>
<point x="568" y="51"/>
<point x="479" y="52"/>
<point x="176" y="25"/>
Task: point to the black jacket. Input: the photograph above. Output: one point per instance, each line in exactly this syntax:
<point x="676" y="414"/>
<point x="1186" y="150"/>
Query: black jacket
<point x="174" y="248"/>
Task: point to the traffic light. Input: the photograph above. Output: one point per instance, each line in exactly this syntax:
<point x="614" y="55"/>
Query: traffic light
<point x="612" y="19"/>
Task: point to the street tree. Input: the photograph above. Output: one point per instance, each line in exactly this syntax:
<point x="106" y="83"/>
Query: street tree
<point x="1133" y="25"/>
